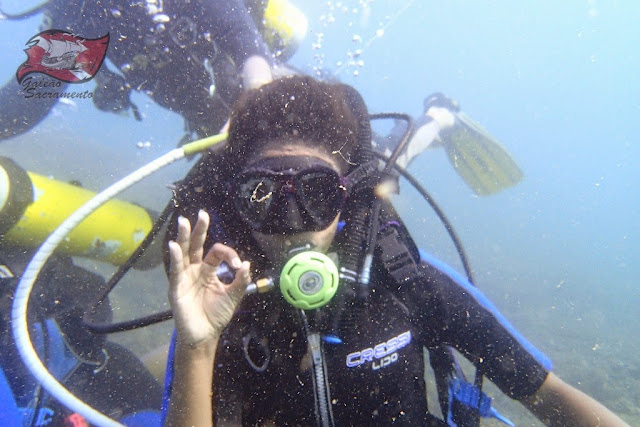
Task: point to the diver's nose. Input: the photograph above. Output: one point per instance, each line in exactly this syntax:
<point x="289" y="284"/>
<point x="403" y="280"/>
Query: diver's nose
<point x="292" y="213"/>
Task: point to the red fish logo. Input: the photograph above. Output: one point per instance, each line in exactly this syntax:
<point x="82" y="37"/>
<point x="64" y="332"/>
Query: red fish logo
<point x="63" y="56"/>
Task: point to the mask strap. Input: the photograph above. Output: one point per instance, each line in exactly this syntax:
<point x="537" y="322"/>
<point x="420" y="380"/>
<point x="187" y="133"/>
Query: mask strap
<point x="361" y="172"/>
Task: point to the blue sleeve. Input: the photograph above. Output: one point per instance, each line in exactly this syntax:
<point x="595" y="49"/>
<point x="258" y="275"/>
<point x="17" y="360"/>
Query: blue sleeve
<point x="455" y="313"/>
<point x="168" y="380"/>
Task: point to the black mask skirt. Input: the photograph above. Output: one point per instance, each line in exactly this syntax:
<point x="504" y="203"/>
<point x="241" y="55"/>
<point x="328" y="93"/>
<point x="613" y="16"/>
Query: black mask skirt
<point x="288" y="194"/>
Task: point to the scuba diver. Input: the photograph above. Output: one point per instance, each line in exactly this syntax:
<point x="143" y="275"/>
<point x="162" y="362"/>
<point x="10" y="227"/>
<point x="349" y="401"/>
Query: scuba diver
<point x="477" y="157"/>
<point x="296" y="201"/>
<point x="192" y="58"/>
<point x="89" y="365"/>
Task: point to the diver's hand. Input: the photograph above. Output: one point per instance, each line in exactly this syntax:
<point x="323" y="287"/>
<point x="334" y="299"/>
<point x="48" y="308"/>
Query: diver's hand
<point x="256" y="71"/>
<point x="202" y="305"/>
<point x="442" y="109"/>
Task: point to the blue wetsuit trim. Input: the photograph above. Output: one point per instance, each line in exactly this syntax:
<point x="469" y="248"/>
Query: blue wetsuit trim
<point x="168" y="379"/>
<point x="8" y="407"/>
<point x="487" y="304"/>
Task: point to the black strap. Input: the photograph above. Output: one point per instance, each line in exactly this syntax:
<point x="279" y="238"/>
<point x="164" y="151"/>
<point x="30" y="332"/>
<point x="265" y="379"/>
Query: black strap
<point x="402" y="265"/>
<point x="395" y="256"/>
<point x="20" y="194"/>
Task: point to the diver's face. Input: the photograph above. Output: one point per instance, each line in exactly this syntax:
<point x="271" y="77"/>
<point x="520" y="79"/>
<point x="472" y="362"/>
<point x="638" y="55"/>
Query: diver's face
<point x="276" y="246"/>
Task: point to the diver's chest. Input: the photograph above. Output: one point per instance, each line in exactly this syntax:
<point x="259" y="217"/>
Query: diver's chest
<point x="375" y="348"/>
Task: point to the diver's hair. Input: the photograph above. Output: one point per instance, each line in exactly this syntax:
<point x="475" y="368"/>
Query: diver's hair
<point x="296" y="109"/>
<point x="329" y="116"/>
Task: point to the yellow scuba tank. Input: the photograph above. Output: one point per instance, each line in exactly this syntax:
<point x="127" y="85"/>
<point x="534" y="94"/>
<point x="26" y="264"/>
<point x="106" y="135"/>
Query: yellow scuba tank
<point x="285" y="27"/>
<point x="32" y="206"/>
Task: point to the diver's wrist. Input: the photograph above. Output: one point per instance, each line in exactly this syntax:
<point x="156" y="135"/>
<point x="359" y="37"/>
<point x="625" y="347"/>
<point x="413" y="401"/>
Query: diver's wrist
<point x="201" y="348"/>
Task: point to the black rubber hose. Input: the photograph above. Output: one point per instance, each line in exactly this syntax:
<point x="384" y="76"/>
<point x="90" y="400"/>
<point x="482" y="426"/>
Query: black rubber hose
<point x="106" y="328"/>
<point x="447" y="225"/>
<point x="356" y="229"/>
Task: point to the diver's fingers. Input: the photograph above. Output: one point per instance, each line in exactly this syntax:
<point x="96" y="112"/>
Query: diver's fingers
<point x="198" y="237"/>
<point x="238" y="287"/>
<point x="176" y="265"/>
<point x="220" y="252"/>
<point x="184" y="232"/>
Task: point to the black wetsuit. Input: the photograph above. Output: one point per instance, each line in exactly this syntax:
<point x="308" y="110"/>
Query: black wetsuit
<point x="375" y="375"/>
<point x="159" y="52"/>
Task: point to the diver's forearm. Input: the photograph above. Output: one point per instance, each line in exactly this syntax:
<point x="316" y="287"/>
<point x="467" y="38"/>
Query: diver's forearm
<point x="559" y="404"/>
<point x="190" y="403"/>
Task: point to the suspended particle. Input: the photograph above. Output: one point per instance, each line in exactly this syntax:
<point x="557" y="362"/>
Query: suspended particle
<point x="161" y="18"/>
<point x="356" y="38"/>
<point x="116" y="13"/>
<point x="380" y="32"/>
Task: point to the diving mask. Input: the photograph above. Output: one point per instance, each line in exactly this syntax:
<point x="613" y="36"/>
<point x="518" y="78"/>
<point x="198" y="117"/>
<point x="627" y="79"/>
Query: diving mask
<point x="289" y="194"/>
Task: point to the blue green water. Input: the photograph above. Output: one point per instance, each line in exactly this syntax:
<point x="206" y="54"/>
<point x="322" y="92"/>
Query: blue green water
<point x="556" y="82"/>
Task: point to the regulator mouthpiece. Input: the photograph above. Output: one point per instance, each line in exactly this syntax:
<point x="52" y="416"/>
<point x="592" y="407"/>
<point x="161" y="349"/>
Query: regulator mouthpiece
<point x="309" y="280"/>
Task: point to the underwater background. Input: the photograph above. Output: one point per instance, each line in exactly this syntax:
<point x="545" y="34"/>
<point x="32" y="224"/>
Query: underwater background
<point x="557" y="83"/>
